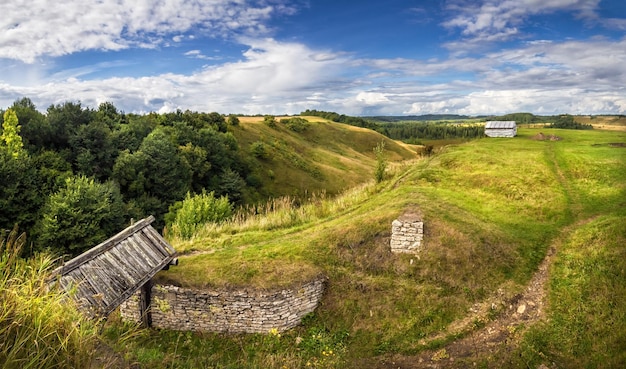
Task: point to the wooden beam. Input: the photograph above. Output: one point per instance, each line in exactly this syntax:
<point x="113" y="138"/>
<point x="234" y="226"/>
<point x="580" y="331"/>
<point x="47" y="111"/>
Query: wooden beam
<point x="102" y="247"/>
<point x="144" y="304"/>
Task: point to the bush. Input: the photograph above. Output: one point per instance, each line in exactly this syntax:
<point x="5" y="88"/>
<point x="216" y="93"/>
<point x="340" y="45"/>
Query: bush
<point x="199" y="210"/>
<point x="296" y="124"/>
<point x="233" y="120"/>
<point x="270" y="120"/>
<point x="381" y="162"/>
<point x="260" y="150"/>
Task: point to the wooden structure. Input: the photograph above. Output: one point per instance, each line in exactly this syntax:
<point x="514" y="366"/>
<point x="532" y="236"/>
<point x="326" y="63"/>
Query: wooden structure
<point x="505" y="128"/>
<point x="105" y="276"/>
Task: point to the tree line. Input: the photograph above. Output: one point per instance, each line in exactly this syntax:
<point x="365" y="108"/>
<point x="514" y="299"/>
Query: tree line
<point x="74" y="176"/>
<point x="410" y="132"/>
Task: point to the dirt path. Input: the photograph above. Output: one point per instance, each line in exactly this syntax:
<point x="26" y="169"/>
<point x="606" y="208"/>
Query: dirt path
<point x="500" y="334"/>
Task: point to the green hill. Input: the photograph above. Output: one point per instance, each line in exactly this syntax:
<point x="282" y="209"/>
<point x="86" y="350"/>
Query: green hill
<point x="492" y="210"/>
<point x="324" y="156"/>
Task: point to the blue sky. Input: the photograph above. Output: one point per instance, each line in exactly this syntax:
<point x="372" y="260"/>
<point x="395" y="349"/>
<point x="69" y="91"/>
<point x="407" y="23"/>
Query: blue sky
<point x="393" y="57"/>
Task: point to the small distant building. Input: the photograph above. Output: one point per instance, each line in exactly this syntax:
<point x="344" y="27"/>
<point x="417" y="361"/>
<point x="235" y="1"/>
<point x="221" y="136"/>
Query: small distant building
<point x="499" y="128"/>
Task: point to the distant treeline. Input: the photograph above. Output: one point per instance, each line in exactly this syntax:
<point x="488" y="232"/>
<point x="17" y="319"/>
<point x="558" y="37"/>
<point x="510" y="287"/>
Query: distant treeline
<point x="567" y="122"/>
<point x="408" y="131"/>
<point x="415" y="128"/>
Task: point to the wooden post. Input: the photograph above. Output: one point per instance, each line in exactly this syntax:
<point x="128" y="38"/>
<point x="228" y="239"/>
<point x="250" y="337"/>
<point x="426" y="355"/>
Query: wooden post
<point x="144" y="304"/>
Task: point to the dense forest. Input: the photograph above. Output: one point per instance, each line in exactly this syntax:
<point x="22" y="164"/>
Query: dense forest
<point x="73" y="176"/>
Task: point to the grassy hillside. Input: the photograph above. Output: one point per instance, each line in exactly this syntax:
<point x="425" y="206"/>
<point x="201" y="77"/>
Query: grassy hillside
<point x="610" y="122"/>
<point x="492" y="208"/>
<point x="324" y="157"/>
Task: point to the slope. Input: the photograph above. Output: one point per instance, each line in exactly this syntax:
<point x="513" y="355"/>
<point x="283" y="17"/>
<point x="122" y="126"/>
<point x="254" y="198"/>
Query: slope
<point x="322" y="156"/>
<point x="492" y="208"/>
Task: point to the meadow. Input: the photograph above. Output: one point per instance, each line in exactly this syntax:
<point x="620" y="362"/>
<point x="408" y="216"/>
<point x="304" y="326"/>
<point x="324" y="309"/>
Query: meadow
<point x="492" y="209"/>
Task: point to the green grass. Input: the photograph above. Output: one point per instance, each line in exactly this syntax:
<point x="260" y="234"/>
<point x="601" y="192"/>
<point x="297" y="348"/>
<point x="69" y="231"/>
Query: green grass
<point x="491" y="207"/>
<point x="326" y="157"/>
<point x="39" y="328"/>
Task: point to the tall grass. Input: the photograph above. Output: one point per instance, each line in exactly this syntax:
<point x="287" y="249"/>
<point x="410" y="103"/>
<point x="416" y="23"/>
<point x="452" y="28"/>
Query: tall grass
<point x="39" y="328"/>
<point x="274" y="214"/>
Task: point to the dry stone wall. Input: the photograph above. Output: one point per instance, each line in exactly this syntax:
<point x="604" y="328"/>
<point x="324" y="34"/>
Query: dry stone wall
<point x="407" y="234"/>
<point x="232" y="311"/>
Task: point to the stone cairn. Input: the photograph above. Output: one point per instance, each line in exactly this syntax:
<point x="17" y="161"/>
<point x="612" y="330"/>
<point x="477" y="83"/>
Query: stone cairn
<point x="407" y="234"/>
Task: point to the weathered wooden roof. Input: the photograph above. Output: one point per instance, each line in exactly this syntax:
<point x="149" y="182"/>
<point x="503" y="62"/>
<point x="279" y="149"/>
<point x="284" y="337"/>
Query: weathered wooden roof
<point x="500" y="124"/>
<point x="103" y="277"/>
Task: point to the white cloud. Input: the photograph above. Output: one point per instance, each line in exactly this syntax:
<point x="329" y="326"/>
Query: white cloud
<point x="30" y="29"/>
<point x="499" y="20"/>
<point x="273" y="77"/>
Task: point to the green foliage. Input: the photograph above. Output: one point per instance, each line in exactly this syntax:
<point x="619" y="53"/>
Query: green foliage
<point x="381" y="162"/>
<point x="156" y="170"/>
<point x="197" y="210"/>
<point x="270" y="120"/>
<point x="296" y="124"/>
<point x="260" y="150"/>
<point x="10" y="138"/>
<point x="39" y="327"/>
<point x="20" y="190"/>
<point x="35" y="129"/>
<point x="567" y="122"/>
<point x="233" y="120"/>
<point x="80" y="215"/>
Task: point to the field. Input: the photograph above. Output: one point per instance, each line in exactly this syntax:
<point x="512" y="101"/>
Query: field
<point x="608" y="122"/>
<point x="493" y="210"/>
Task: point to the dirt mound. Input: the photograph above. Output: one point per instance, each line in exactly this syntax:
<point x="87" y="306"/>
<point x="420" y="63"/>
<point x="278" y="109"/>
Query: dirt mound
<point x="541" y="137"/>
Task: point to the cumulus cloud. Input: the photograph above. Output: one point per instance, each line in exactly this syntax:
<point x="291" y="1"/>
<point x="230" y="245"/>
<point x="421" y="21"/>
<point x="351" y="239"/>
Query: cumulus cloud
<point x="30" y="29"/>
<point x="499" y="20"/>
<point x="272" y="77"/>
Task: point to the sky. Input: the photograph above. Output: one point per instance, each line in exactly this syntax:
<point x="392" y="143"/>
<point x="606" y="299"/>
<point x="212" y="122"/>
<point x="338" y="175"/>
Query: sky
<point x="355" y="57"/>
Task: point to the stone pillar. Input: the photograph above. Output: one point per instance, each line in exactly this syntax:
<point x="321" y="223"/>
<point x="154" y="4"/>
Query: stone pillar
<point x="407" y="234"/>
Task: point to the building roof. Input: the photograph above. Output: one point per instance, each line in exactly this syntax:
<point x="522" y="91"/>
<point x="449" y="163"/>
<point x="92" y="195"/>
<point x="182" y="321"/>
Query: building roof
<point x="500" y="124"/>
<point x="105" y="276"/>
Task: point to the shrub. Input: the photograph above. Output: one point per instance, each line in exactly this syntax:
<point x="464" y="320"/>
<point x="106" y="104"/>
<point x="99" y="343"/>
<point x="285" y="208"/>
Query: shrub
<point x="270" y="120"/>
<point x="199" y="210"/>
<point x="260" y="150"/>
<point x="233" y="120"/>
<point x="296" y="124"/>
<point x="381" y="162"/>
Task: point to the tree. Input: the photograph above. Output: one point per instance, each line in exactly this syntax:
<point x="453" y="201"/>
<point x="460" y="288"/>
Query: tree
<point x="10" y="137"/>
<point x="381" y="162"/>
<point x="80" y="215"/>
<point x="35" y="129"/>
<point x="20" y="198"/>
<point x="157" y="171"/>
<point x="93" y="150"/>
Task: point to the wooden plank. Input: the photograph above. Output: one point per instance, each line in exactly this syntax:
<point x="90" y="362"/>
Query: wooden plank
<point x="102" y="247"/>
<point x="142" y="246"/>
<point x="124" y="263"/>
<point x="160" y="244"/>
<point x="140" y="283"/>
<point x="144" y="304"/>
<point x="134" y="260"/>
